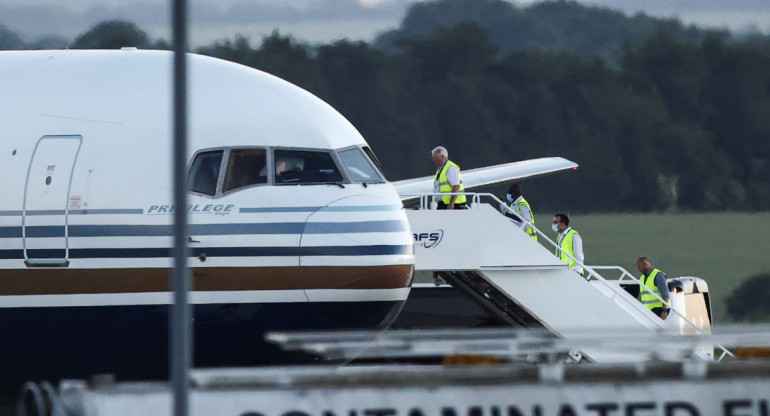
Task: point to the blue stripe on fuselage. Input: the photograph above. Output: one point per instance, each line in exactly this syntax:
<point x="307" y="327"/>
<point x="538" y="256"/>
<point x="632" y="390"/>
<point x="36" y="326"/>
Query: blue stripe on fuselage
<point x="41" y="231"/>
<point x="353" y="208"/>
<point x="137" y="211"/>
<point x="11" y="254"/>
<point x="119" y="211"/>
<point x="161" y="252"/>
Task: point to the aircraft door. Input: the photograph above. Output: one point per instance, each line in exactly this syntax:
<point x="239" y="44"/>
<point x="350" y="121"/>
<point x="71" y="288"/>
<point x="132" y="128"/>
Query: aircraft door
<point x="46" y="194"/>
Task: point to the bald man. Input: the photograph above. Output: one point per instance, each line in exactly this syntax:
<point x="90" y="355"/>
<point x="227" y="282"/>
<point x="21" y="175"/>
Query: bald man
<point x="652" y="281"/>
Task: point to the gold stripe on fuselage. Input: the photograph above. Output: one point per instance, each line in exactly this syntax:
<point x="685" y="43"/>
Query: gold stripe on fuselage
<point x="94" y="281"/>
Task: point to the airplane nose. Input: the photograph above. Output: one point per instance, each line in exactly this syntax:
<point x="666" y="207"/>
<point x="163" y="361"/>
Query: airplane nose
<point x="358" y="254"/>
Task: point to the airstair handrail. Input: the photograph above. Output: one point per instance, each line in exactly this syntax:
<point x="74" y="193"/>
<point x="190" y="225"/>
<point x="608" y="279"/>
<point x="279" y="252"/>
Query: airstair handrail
<point x="475" y="198"/>
<point x="624" y="273"/>
<point x="426" y="198"/>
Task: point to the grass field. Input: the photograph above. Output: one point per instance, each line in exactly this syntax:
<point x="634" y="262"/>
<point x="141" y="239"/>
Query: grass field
<point x="723" y="248"/>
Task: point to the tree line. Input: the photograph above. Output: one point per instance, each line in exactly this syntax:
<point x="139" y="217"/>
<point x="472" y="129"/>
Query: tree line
<point x="667" y="117"/>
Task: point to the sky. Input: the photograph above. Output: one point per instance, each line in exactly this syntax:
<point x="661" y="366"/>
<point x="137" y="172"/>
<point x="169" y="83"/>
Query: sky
<point x="316" y="21"/>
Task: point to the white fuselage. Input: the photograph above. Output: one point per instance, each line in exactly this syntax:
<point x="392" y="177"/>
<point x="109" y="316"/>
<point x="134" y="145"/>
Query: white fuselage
<point x="85" y="205"/>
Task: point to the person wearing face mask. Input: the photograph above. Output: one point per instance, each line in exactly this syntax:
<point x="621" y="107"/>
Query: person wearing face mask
<point x="521" y="210"/>
<point x="570" y="243"/>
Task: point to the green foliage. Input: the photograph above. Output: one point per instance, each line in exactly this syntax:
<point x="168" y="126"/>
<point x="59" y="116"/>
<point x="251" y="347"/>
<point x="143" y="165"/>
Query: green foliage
<point x="50" y="42"/>
<point x="749" y="302"/>
<point x="550" y="25"/>
<point x="279" y="55"/>
<point x="9" y="40"/>
<point x="112" y="34"/>
<point x="661" y="117"/>
<point x="353" y="74"/>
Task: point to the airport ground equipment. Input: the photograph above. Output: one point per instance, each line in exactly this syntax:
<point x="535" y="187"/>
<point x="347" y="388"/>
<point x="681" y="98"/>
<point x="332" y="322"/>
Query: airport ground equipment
<point x="655" y="388"/>
<point x="522" y="283"/>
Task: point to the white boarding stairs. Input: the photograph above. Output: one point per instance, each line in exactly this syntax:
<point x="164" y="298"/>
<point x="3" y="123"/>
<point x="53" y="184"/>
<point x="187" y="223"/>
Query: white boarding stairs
<point x="487" y="256"/>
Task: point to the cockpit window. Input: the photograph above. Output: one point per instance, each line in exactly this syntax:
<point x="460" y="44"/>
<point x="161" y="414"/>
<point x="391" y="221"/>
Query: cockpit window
<point x="204" y="172"/>
<point x="359" y="166"/>
<point x="245" y="167"/>
<point x="373" y="159"/>
<point x="303" y="166"/>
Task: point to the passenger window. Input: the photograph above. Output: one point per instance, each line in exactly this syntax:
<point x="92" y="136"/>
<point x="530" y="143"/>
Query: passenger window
<point x="204" y="173"/>
<point x="359" y="167"/>
<point x="295" y="166"/>
<point x="245" y="167"/>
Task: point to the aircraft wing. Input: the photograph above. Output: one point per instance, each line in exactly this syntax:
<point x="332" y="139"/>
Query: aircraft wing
<point x="489" y="175"/>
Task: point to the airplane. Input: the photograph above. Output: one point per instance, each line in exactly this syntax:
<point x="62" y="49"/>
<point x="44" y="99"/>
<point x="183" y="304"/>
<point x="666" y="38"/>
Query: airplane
<point x="292" y="222"/>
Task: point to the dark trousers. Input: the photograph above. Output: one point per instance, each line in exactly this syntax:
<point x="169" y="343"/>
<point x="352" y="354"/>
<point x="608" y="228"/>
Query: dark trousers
<point x="657" y="311"/>
<point x="442" y="205"/>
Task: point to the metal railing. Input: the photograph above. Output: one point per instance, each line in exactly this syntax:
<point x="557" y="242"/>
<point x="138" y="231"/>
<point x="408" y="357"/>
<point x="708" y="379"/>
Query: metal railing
<point x="474" y="201"/>
<point x="624" y="274"/>
<point x="426" y="199"/>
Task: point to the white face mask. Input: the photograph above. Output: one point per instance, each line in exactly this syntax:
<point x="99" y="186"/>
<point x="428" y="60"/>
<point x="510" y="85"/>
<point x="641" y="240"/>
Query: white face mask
<point x="555" y="227"/>
<point x="509" y="197"/>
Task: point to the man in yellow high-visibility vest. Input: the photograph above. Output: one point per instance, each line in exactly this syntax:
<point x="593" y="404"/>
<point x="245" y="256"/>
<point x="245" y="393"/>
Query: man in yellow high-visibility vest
<point x="569" y="242"/>
<point x="447" y="180"/>
<point x="652" y="281"/>
<point x="520" y="210"/>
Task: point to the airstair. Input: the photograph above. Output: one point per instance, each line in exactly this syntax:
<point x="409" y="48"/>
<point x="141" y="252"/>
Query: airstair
<point x="523" y="284"/>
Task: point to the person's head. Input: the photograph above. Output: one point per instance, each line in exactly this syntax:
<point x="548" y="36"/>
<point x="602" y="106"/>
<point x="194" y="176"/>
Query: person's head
<point x="643" y="264"/>
<point x="439" y="155"/>
<point x="280" y="166"/>
<point x="560" y="222"/>
<point x="514" y="191"/>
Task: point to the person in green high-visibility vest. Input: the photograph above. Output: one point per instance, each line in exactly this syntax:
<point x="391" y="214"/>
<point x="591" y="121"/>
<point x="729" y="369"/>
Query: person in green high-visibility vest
<point x="652" y="281"/>
<point x="447" y="180"/>
<point x="520" y="210"/>
<point x="569" y="242"/>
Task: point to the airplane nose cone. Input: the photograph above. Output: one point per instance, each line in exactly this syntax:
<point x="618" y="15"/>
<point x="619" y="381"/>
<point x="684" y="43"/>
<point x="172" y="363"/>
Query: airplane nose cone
<point x="358" y="254"/>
